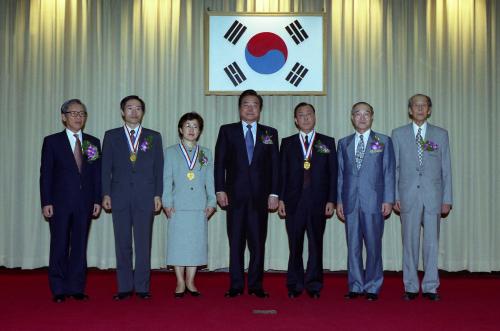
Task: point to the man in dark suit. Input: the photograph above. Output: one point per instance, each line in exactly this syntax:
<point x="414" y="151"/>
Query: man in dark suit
<point x="246" y="182"/>
<point x="70" y="189"/>
<point x="365" y="197"/>
<point x="132" y="184"/>
<point x="308" y="191"/>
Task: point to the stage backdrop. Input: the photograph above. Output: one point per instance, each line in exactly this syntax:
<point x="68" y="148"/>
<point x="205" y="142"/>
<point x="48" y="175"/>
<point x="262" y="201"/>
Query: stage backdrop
<point x="380" y="51"/>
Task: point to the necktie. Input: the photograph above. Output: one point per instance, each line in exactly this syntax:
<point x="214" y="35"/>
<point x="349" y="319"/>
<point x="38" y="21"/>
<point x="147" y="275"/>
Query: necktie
<point x="420" y="150"/>
<point x="132" y="137"/>
<point x="307" y="172"/>
<point x="306" y="142"/>
<point x="77" y="152"/>
<point x="360" y="152"/>
<point x="249" y="143"/>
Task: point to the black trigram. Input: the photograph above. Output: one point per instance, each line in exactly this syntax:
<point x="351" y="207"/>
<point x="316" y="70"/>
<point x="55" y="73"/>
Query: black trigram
<point x="235" y="32"/>
<point x="235" y="74"/>
<point x="297" y="32"/>
<point x="296" y="75"/>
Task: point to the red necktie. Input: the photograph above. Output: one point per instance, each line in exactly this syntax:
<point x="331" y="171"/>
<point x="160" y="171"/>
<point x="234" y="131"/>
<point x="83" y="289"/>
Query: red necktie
<point x="78" y="153"/>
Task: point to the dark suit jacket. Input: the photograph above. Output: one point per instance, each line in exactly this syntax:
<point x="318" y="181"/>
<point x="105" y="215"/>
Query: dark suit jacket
<point x="129" y="183"/>
<point x="323" y="172"/>
<point x="235" y="176"/>
<point x="61" y="185"/>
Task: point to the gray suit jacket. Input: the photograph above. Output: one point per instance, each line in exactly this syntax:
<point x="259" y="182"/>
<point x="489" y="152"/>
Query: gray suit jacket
<point x="180" y="192"/>
<point x="373" y="183"/>
<point x="431" y="181"/>
<point x="126" y="182"/>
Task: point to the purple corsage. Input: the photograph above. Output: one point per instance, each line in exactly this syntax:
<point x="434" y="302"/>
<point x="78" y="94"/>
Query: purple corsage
<point x="266" y="138"/>
<point x="321" y="148"/>
<point x="202" y="158"/>
<point x="429" y="146"/>
<point x="146" y="144"/>
<point x="376" y="146"/>
<point x="90" y="151"/>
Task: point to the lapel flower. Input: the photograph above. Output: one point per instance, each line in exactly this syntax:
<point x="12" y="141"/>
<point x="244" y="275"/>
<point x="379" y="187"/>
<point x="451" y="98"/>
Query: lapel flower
<point x="90" y="151"/>
<point x="266" y="138"/>
<point x="429" y="145"/>
<point x="376" y="146"/>
<point x="321" y="148"/>
<point x="146" y="144"/>
<point x="202" y="158"/>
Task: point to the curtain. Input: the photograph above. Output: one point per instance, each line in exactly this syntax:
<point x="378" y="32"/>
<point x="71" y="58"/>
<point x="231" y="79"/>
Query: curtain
<point x="379" y="51"/>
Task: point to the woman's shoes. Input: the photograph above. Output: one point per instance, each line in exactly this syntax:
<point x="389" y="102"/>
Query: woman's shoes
<point x="179" y="295"/>
<point x="193" y="293"/>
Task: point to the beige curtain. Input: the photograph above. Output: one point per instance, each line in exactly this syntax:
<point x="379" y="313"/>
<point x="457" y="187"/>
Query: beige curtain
<point x="380" y="51"/>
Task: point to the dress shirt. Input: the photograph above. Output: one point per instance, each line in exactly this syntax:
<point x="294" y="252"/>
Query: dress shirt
<point x="422" y="132"/>
<point x="254" y="129"/>
<point x="365" y="135"/>
<point x="309" y="136"/>
<point x="72" y="139"/>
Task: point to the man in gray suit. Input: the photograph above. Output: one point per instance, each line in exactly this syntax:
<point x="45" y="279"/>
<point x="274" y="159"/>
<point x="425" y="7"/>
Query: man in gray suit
<point x="132" y="185"/>
<point x="423" y="193"/>
<point x="365" y="197"/>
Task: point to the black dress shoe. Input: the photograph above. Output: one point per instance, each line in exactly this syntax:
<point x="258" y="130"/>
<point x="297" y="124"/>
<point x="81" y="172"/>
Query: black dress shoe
<point x="193" y="293"/>
<point x="352" y="295"/>
<point x="144" y="295"/>
<point x="79" y="296"/>
<point x="313" y="294"/>
<point x="179" y="295"/>
<point x="294" y="294"/>
<point x="432" y="296"/>
<point x="233" y="293"/>
<point x="122" y="296"/>
<point x="410" y="296"/>
<point x="59" y="298"/>
<point x="371" y="297"/>
<point x="259" y="293"/>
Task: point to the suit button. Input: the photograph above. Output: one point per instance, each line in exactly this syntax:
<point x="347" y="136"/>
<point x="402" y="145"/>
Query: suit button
<point x="418" y="186"/>
<point x="420" y="174"/>
<point x="191" y="188"/>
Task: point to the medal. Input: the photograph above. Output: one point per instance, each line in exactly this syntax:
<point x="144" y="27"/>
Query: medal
<point x="307" y="164"/>
<point x="307" y="152"/>
<point x="189" y="162"/>
<point x="133" y="146"/>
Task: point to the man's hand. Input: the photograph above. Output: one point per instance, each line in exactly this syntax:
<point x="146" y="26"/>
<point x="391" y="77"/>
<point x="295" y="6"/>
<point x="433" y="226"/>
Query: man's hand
<point x="106" y="202"/>
<point x="96" y="210"/>
<point x="397" y="206"/>
<point x="209" y="212"/>
<point x="386" y="209"/>
<point x="222" y="199"/>
<point x="445" y="209"/>
<point x="48" y="211"/>
<point x="340" y="212"/>
<point x="157" y="204"/>
<point x="329" y="209"/>
<point x="281" y="208"/>
<point x="272" y="203"/>
<point x="169" y="211"/>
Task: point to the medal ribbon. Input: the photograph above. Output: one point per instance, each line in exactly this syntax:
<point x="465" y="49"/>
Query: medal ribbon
<point x="133" y="147"/>
<point x="307" y="154"/>
<point x="190" y="162"/>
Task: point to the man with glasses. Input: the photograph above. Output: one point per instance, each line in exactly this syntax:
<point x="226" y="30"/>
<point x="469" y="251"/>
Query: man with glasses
<point x="70" y="189"/>
<point x="132" y="185"/>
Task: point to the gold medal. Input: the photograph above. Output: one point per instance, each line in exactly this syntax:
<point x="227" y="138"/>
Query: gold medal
<point x="307" y="164"/>
<point x="133" y="157"/>
<point x="190" y="175"/>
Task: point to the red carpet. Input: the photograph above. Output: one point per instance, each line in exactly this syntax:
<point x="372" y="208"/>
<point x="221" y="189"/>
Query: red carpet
<point x="469" y="302"/>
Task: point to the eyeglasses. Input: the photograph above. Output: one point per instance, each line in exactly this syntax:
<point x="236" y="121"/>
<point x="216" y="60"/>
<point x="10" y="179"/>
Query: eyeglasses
<point x="76" y="114"/>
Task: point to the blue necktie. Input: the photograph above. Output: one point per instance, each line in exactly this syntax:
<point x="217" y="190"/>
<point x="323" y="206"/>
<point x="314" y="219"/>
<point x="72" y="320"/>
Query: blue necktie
<point x="249" y="143"/>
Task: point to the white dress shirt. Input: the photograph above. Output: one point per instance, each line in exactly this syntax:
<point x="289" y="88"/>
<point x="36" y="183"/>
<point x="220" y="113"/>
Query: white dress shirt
<point x="365" y="135"/>
<point x="72" y="139"/>
<point x="422" y="132"/>
<point x="254" y="129"/>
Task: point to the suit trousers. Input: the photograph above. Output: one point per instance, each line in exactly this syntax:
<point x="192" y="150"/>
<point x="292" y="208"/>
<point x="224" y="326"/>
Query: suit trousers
<point x="68" y="251"/>
<point x="247" y="222"/>
<point x="305" y="220"/>
<point x="364" y="228"/>
<point x="137" y="223"/>
<point x="411" y="222"/>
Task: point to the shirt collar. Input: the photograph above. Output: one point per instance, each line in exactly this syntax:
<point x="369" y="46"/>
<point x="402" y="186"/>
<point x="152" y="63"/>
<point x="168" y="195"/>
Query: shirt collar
<point x="71" y="134"/>
<point x="365" y="135"/>
<point x="244" y="124"/>
<point x="416" y="127"/>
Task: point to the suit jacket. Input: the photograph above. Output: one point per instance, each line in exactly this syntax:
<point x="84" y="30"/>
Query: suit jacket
<point x="432" y="180"/>
<point x="374" y="182"/>
<point x="61" y="184"/>
<point x="323" y="172"/>
<point x="180" y="192"/>
<point x="126" y="182"/>
<point x="235" y="176"/>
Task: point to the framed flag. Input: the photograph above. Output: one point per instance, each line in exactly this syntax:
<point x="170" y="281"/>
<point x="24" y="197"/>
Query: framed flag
<point x="273" y="53"/>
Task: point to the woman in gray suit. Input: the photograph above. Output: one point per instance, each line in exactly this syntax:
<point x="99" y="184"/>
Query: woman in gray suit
<point x="189" y="201"/>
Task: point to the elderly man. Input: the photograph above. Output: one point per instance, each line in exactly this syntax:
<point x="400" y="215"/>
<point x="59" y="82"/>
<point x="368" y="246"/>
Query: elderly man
<point x="423" y="193"/>
<point x="366" y="196"/>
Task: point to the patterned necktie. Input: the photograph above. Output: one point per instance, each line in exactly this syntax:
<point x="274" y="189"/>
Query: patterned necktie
<point x="132" y="137"/>
<point x="249" y="143"/>
<point x="420" y="150"/>
<point x="360" y="152"/>
<point x="77" y="152"/>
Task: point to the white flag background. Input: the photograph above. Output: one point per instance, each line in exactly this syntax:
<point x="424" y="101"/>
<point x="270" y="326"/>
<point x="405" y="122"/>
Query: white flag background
<point x="229" y="70"/>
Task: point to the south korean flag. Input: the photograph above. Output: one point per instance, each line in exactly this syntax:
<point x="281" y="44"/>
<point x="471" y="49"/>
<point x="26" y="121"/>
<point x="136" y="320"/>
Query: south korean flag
<point x="268" y="53"/>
